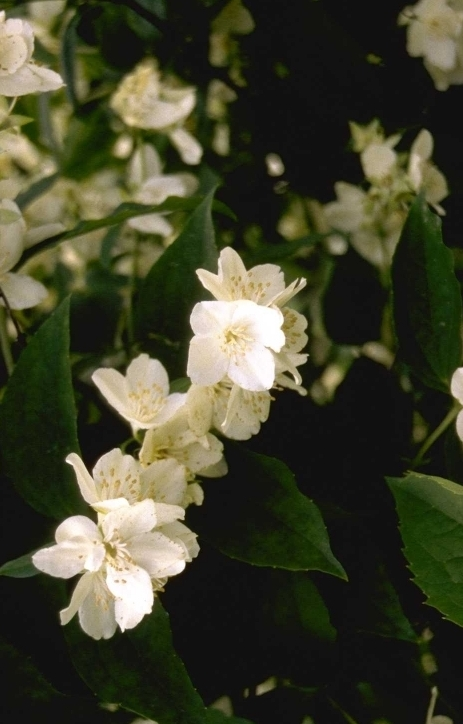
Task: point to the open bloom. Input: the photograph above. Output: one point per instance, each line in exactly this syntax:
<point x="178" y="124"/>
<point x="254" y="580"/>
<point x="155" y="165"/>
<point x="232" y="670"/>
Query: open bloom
<point x="235" y="412"/>
<point x="434" y="33"/>
<point x="117" y="476"/>
<point x="123" y="559"/>
<point x="200" y="454"/>
<point x="235" y="339"/>
<point x="148" y="185"/>
<point x="263" y="284"/>
<point x="144" y="100"/>
<point x="19" y="75"/>
<point x="20" y="290"/>
<point x="142" y="396"/>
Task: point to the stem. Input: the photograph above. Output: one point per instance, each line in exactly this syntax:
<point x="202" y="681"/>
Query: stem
<point x="448" y="419"/>
<point x="12" y="105"/>
<point x="431" y="706"/>
<point x="5" y="343"/>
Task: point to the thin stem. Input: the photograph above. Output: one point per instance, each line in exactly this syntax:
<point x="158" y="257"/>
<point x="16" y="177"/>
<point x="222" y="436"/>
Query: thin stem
<point x="432" y="704"/>
<point x="10" y="313"/>
<point x="12" y="105"/>
<point x="441" y="428"/>
<point x="5" y="343"/>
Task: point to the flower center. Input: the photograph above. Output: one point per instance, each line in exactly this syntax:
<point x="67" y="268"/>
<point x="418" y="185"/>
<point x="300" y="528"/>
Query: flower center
<point x="235" y="341"/>
<point x="146" y="402"/>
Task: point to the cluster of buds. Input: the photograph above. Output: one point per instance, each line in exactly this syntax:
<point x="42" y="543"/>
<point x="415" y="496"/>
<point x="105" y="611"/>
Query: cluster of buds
<point x="373" y="219"/>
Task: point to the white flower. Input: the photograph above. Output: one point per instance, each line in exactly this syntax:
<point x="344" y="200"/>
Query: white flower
<point x="423" y="174"/>
<point x="235" y="412"/>
<point x="202" y="454"/>
<point x="143" y="100"/>
<point x="434" y="32"/>
<point x="19" y="75"/>
<point x="456" y="388"/>
<point x="235" y="339"/>
<point x="20" y="290"/>
<point x="142" y="396"/>
<point x="379" y="160"/>
<point x="148" y="185"/>
<point x="289" y="358"/>
<point x="264" y="284"/>
<point x="123" y="559"/>
<point x="116" y="476"/>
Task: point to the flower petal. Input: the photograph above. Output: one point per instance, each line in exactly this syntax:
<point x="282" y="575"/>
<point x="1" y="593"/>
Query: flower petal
<point x="130" y="521"/>
<point x="133" y="592"/>
<point x="158" y="555"/>
<point x="21" y="291"/>
<point x="30" y="78"/>
<point x="97" y="611"/>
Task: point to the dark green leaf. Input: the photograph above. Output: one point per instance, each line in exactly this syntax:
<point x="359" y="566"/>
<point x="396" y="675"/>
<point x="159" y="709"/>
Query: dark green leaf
<point x="35" y="190"/>
<point x="171" y="287"/>
<point x="69" y="58"/>
<point x="139" y="670"/>
<point x="379" y="610"/>
<point x="23" y="679"/>
<point x="87" y="143"/>
<point x="256" y="514"/>
<point x="277" y="252"/>
<point x="296" y="609"/>
<point x="38" y="421"/>
<point x="123" y="212"/>
<point x="214" y="716"/>
<point x="21" y="567"/>
<point x="427" y="299"/>
<point x="431" y="523"/>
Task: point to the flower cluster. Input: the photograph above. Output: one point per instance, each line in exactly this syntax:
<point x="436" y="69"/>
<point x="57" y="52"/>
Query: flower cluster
<point x="373" y="218"/>
<point x="244" y="344"/>
<point x="435" y="33"/>
<point x="137" y="543"/>
<point x="144" y="100"/>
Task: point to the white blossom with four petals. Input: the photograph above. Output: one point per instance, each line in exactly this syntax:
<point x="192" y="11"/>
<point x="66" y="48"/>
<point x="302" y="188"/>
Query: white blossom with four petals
<point x="144" y="100"/>
<point x="235" y="340"/>
<point x="141" y="396"/>
<point x="123" y="559"/>
<point x="19" y="75"/>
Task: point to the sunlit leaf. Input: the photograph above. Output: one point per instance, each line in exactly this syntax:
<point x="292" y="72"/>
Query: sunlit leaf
<point x="430" y="511"/>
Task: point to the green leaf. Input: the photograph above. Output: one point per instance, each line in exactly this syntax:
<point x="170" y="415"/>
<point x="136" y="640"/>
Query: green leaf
<point x="35" y="190"/>
<point x="295" y="609"/>
<point x="122" y="213"/>
<point x="378" y="608"/>
<point x="140" y="670"/>
<point x="214" y="716"/>
<point x="430" y="510"/>
<point x="172" y="288"/>
<point x="87" y="143"/>
<point x="426" y="299"/>
<point x="277" y="252"/>
<point x="14" y="121"/>
<point x="256" y="514"/>
<point x="38" y="421"/>
<point x="69" y="58"/>
<point x="21" y="567"/>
